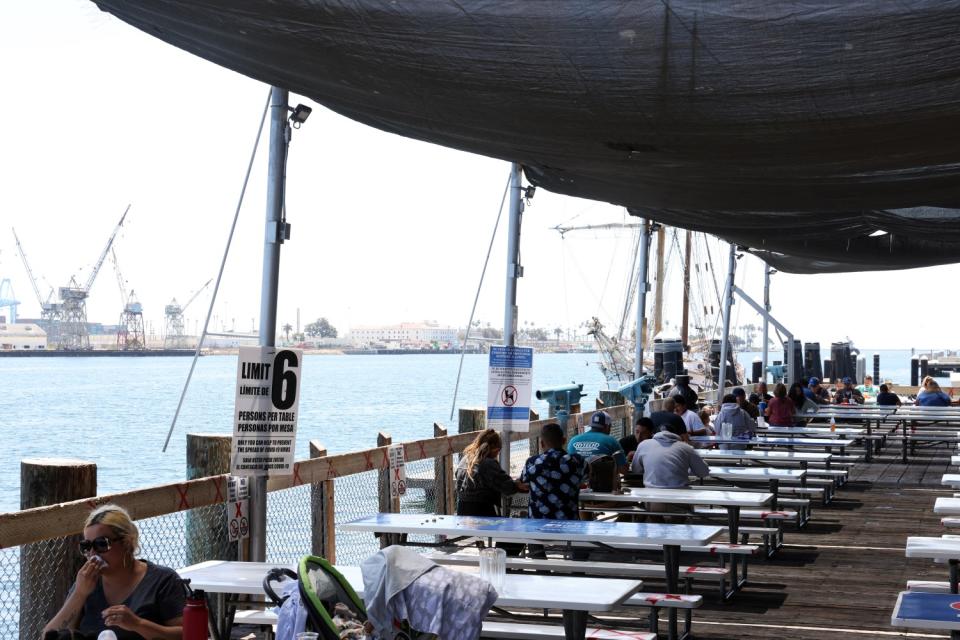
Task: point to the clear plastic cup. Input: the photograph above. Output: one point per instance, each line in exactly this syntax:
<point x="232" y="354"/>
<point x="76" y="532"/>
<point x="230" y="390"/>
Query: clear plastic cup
<point x="307" y="635"/>
<point x="493" y="566"/>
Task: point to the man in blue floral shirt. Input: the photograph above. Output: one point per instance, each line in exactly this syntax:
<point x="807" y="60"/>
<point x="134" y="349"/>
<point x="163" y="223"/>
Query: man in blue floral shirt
<point x="554" y="477"/>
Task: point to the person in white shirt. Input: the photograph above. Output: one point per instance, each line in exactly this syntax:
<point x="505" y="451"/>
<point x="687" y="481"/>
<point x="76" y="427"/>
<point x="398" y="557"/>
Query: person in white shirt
<point x="690" y="418"/>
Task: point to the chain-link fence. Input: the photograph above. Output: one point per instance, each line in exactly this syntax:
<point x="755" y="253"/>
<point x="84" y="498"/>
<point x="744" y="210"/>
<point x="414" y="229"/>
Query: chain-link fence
<point x="195" y="535"/>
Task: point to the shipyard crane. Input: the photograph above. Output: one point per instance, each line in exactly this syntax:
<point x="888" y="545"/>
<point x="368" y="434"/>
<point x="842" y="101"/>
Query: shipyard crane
<point x="174" y="335"/>
<point x="74" y="335"/>
<point x="130" y="333"/>
<point x="8" y="300"/>
<point x="49" y="311"/>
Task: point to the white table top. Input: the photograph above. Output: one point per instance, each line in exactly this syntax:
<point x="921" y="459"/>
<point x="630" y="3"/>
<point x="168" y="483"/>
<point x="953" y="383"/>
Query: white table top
<point x="533" y="529"/>
<point x="947" y="507"/>
<point x="520" y="590"/>
<point x="684" y="496"/>
<point x="812" y="431"/>
<point x="951" y="479"/>
<point x="954" y="459"/>
<point x="765" y="455"/>
<point x="221" y="576"/>
<point x="933" y="548"/>
<point x="778" y="442"/>
<point x="756" y="473"/>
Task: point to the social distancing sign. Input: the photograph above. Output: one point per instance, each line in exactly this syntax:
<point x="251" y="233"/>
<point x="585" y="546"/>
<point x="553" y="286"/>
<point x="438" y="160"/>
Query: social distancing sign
<point x="398" y="471"/>
<point x="238" y="508"/>
<point x="266" y="411"/>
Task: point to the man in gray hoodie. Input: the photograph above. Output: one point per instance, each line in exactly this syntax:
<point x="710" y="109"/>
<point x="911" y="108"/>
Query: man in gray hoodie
<point x="666" y="461"/>
<point x="743" y="425"/>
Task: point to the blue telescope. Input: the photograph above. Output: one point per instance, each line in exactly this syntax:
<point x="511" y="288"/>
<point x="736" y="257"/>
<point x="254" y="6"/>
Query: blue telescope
<point x="561" y="400"/>
<point x="638" y="392"/>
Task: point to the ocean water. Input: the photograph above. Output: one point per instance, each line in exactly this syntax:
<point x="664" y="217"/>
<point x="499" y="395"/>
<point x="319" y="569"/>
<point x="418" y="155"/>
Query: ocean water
<point x="116" y="411"/>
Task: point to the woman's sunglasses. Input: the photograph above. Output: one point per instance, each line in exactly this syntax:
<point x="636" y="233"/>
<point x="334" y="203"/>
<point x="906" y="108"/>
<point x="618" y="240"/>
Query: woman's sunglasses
<point x="99" y="544"/>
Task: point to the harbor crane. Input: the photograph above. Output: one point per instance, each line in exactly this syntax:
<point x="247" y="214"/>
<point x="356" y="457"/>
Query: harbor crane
<point x="8" y="300"/>
<point x="174" y="334"/>
<point x="50" y="312"/>
<point x="74" y="335"/>
<point x="130" y="333"/>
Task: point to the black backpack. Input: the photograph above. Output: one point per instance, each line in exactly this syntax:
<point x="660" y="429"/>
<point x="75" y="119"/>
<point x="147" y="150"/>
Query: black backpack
<point x="603" y="474"/>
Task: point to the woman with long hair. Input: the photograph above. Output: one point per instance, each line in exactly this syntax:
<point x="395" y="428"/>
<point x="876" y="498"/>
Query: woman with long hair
<point x="481" y="482"/>
<point x="114" y="590"/>
<point x="780" y="410"/>
<point x="801" y="402"/>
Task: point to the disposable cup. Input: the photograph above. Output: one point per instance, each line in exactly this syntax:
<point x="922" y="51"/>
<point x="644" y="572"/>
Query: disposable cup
<point x="493" y="566"/>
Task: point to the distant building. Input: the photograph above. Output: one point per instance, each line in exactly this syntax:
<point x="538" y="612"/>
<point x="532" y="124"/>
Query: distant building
<point x="405" y="334"/>
<point x="22" y="336"/>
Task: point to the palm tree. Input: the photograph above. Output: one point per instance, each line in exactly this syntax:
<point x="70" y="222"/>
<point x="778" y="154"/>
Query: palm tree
<point x="558" y="331"/>
<point x="287" y="328"/>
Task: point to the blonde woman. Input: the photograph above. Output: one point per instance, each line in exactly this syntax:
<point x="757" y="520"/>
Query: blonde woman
<point x="480" y="480"/>
<point x="114" y="590"/>
<point x="931" y="395"/>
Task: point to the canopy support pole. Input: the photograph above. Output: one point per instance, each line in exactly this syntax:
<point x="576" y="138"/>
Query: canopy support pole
<point x="642" y="289"/>
<point x="725" y="337"/>
<point x="766" y="323"/>
<point x="274" y="233"/>
<point x="788" y="353"/>
<point x="514" y="273"/>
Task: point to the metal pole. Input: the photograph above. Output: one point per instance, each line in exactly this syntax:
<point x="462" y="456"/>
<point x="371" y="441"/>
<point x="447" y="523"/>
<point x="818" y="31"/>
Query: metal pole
<point x="514" y="272"/>
<point x="644" y="286"/>
<point x="725" y="338"/>
<point x="274" y="235"/>
<point x="766" y="322"/>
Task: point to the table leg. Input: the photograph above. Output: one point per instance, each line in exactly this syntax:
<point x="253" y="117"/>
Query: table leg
<point x="775" y="490"/>
<point x="671" y="562"/>
<point x="868" y="444"/>
<point x="221" y="625"/>
<point x="574" y="624"/>
<point x="904" y="446"/>
<point x="954" y="576"/>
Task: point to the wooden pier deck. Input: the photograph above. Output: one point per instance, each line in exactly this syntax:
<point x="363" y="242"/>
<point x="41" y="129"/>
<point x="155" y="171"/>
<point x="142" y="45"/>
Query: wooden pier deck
<point x="839" y="576"/>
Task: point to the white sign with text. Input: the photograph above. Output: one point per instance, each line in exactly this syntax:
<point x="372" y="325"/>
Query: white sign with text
<point x="265" y="411"/>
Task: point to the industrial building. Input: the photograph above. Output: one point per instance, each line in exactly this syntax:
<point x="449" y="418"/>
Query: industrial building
<point x="405" y="334"/>
<point x="22" y="336"/>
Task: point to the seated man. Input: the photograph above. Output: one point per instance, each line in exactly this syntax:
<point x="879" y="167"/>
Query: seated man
<point x="867" y="388"/>
<point x="598" y="441"/>
<point x="887" y="399"/>
<point x="816" y="392"/>
<point x="690" y="418"/>
<point x="747" y="405"/>
<point x="642" y="431"/>
<point x="554" y="477"/>
<point x="666" y="461"/>
<point x="848" y="394"/>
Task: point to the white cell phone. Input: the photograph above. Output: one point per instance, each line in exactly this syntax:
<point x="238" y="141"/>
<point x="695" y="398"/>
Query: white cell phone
<point x="100" y="561"/>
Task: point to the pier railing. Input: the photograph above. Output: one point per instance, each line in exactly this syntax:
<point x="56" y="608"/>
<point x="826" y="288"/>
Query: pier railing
<point x="183" y="523"/>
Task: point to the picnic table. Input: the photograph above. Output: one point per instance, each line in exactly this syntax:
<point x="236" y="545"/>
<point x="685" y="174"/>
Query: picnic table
<point x="772" y="441"/>
<point x="576" y="596"/>
<point x="923" y="610"/>
<point x="531" y="530"/>
<point x="732" y="501"/>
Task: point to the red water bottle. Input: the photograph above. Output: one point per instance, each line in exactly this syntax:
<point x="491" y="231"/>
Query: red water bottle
<point x="195" y="616"/>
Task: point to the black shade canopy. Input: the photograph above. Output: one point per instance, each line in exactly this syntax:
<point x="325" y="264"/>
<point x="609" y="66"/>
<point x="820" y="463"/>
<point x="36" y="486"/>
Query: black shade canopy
<point x="797" y="128"/>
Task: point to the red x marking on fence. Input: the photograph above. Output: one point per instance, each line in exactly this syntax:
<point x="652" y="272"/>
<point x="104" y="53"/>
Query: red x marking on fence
<point x="296" y="474"/>
<point x="182" y="490"/>
<point x="423" y="451"/>
<point x="368" y="456"/>
<point x="216" y="485"/>
<point x="239" y="513"/>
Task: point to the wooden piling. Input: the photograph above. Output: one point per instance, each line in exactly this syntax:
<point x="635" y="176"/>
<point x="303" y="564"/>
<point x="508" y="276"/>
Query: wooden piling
<point x="387" y="503"/>
<point x="322" y="520"/>
<point x="208" y="454"/>
<point x="471" y="420"/>
<point x="444" y="481"/>
<point x="49" y="568"/>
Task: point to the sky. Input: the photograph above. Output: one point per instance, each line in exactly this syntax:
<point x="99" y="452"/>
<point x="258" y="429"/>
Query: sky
<point x="98" y="115"/>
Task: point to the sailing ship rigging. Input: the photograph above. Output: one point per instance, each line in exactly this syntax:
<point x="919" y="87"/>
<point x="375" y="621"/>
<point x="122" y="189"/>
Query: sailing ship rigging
<point x="700" y="302"/>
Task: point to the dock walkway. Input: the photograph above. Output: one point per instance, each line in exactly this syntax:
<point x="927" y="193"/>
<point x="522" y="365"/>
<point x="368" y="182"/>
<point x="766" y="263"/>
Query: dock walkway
<point x="840" y="575"/>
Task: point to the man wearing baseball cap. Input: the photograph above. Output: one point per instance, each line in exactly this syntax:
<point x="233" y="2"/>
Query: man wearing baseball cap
<point x="816" y="392"/>
<point x="848" y="394"/>
<point x="598" y="441"/>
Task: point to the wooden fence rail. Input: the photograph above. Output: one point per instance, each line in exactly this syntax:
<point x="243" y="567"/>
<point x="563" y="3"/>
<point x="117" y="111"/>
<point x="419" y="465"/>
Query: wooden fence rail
<point x="43" y="523"/>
